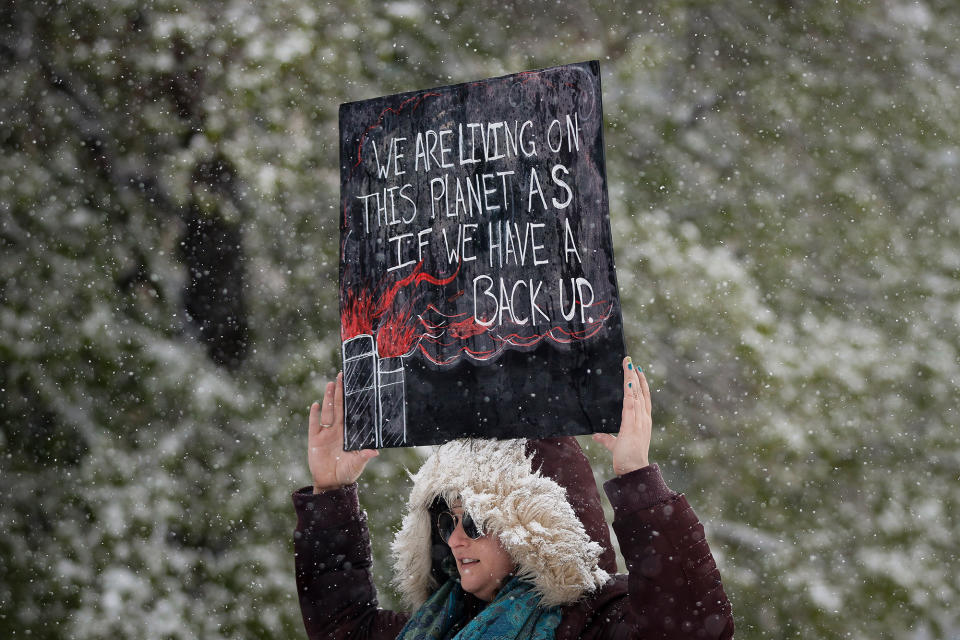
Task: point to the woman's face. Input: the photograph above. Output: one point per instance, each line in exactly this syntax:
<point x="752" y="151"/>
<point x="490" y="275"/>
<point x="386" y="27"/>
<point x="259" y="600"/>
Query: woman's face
<point x="483" y="564"/>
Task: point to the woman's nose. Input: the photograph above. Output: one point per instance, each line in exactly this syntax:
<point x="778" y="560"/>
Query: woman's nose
<point x="458" y="537"/>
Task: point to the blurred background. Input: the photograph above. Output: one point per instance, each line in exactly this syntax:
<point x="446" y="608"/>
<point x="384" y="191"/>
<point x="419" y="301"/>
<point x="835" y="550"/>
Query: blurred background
<point x="785" y="202"/>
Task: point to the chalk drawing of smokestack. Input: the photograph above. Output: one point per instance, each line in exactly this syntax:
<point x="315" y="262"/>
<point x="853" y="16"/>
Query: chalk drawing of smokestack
<point x="360" y="390"/>
<point x="392" y="402"/>
<point x="374" y="396"/>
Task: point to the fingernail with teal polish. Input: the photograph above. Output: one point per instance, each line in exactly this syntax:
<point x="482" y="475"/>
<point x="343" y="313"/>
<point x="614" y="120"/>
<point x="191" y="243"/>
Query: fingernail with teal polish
<point x="629" y="362"/>
<point x="639" y="369"/>
<point x="630" y="384"/>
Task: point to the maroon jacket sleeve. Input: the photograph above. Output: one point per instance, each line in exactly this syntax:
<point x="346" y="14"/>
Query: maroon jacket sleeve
<point x="674" y="586"/>
<point x="332" y="558"/>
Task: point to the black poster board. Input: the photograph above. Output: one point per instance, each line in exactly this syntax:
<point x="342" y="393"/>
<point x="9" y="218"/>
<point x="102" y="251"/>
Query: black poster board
<point x="478" y="295"/>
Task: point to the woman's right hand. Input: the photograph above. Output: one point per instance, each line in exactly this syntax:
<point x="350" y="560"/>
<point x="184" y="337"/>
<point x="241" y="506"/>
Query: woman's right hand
<point x="331" y="466"/>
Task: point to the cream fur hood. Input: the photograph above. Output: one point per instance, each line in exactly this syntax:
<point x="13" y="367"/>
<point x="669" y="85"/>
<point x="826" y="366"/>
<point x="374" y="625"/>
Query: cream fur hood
<point x="528" y="511"/>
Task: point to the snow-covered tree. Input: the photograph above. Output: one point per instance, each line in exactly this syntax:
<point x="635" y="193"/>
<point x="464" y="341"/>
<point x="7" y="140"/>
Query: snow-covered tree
<point x="784" y="191"/>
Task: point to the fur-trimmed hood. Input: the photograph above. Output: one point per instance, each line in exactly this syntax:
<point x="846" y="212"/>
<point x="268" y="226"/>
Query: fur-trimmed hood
<point x="536" y="496"/>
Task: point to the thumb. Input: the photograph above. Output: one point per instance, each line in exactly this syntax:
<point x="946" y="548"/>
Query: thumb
<point x="367" y="454"/>
<point x="608" y="440"/>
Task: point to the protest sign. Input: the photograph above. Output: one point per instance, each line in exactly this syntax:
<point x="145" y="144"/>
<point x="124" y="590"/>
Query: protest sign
<point x="478" y="295"/>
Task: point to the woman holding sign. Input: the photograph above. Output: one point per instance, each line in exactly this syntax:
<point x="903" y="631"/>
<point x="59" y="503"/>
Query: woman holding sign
<point x="507" y="539"/>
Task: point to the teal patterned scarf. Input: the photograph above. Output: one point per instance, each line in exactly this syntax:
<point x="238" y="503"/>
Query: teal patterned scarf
<point x="513" y="615"/>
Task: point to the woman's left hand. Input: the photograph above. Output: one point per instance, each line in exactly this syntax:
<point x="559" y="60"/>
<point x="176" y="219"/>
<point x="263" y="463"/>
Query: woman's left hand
<point x="632" y="445"/>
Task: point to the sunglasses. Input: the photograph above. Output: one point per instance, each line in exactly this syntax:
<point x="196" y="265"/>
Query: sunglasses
<point x="447" y="522"/>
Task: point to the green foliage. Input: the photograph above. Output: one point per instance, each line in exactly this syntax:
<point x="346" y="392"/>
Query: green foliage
<point x="784" y="198"/>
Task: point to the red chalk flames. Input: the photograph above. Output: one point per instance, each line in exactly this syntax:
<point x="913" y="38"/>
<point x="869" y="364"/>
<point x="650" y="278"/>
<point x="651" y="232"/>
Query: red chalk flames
<point x="358" y="314"/>
<point x="396" y="331"/>
<point x="397" y="335"/>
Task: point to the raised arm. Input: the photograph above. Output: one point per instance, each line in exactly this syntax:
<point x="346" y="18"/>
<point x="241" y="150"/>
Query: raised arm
<point x="331" y="542"/>
<point x="674" y="588"/>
